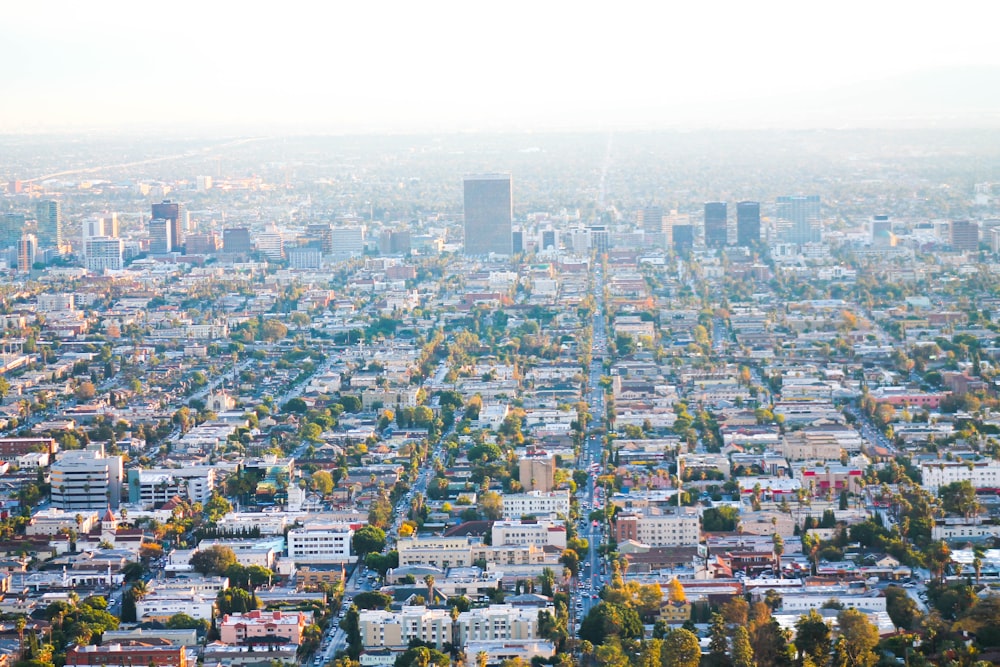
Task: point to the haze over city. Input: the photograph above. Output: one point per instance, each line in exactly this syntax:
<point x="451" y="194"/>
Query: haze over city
<point x="399" y="66"/>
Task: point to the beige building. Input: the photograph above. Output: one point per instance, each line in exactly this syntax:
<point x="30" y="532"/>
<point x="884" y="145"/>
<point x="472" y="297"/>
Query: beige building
<point x="768" y="523"/>
<point x="51" y="521"/>
<point x="807" y="446"/>
<point x="537" y="472"/>
<point x="538" y="533"/>
<point x="659" y="530"/>
<point x="448" y="552"/>
<point x="497" y="622"/>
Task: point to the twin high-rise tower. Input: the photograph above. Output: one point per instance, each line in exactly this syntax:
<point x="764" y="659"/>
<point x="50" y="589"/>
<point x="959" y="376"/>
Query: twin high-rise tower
<point x="488" y="214"/>
<point x="716" y="224"/>
<point x="747" y="223"/>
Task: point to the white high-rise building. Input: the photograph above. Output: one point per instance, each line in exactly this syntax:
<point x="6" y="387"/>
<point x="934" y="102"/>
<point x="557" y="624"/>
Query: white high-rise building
<point x="91" y="228"/>
<point x="348" y="241"/>
<point x="86" y="479"/>
<point x="271" y="244"/>
<point x="104" y="252"/>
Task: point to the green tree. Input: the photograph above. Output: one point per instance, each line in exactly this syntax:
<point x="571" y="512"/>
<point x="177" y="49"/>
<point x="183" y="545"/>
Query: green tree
<point x="382" y="563"/>
<point x="959" y="498"/>
<point x="380" y="512"/>
<point x="312" y="432"/>
<point x="571" y="560"/>
<point x="258" y="575"/>
<point x="901" y="608"/>
<point x="351" y="626"/>
<point x="372" y="600"/>
<point x="234" y="600"/>
<point x="217" y="507"/>
<point x="214" y="560"/>
<point x="322" y="482"/>
<point x="858" y="639"/>
<point x="295" y="406"/>
<point x="185" y="622"/>
<point x="491" y="505"/>
<point x="812" y="638"/>
<point x="720" y="519"/>
<point x="273" y="330"/>
<point x="548" y="581"/>
<point x="651" y="654"/>
<point x="368" y="539"/>
<point x="608" y="619"/>
<point x="718" y="643"/>
<point x="742" y="651"/>
<point x="680" y="649"/>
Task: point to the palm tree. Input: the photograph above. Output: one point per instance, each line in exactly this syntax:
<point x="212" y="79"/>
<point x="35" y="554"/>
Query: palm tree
<point x="429" y="580"/>
<point x="456" y="646"/>
<point x="20" y="624"/>
<point x="977" y="563"/>
<point x="139" y="590"/>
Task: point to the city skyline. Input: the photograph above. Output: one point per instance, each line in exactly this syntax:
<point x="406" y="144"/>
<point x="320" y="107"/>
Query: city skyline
<point x="782" y="65"/>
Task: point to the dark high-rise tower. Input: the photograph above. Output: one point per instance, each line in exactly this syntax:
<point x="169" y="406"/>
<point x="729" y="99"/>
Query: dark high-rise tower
<point x="716" y="218"/>
<point x="964" y="236"/>
<point x="488" y="213"/>
<point x="236" y="241"/>
<point x="49" y="216"/>
<point x="747" y="223"/>
<point x="682" y="237"/>
<point x="173" y="213"/>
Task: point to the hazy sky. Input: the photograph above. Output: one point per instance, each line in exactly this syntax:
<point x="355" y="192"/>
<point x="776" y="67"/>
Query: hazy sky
<point x="342" y="66"/>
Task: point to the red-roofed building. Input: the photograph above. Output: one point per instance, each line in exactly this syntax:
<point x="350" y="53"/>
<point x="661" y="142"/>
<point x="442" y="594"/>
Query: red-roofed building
<point x="119" y="655"/>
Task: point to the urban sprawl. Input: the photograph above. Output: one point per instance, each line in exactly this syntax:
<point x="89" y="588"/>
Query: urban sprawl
<point x="378" y="411"/>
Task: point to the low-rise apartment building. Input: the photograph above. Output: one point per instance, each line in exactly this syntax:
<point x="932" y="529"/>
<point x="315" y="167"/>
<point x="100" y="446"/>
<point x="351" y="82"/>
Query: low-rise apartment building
<point x="981" y="474"/>
<point x="152" y="487"/>
<point x="321" y="543"/>
<point x="448" y="552"/>
<point x="51" y="521"/>
<point x="536" y="503"/>
<point x="159" y="606"/>
<point x="260" y="626"/>
<point x="538" y="533"/>
<point x="263" y="552"/>
<point x="121" y="654"/>
<point x="658" y="530"/>
<point x="497" y="622"/>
